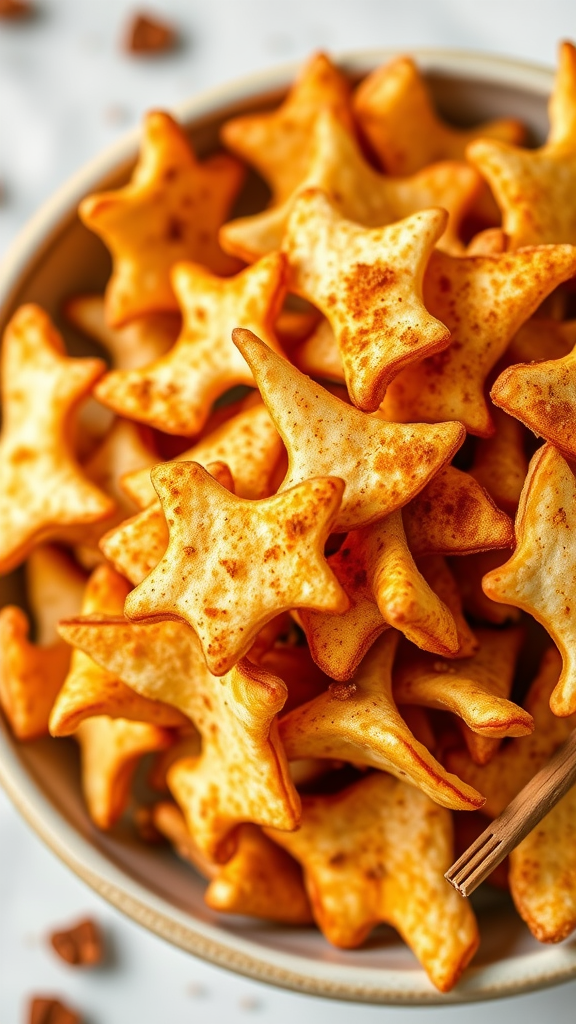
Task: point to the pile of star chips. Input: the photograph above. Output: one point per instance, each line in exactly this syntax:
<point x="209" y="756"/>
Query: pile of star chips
<point x="272" y="545"/>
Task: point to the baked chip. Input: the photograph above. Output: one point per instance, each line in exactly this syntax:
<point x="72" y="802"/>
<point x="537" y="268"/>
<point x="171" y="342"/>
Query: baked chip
<point x="441" y="580"/>
<point x="175" y="393"/>
<point x="534" y="188"/>
<point x="469" y="572"/>
<point x="359" y="722"/>
<point x="368" y="283"/>
<point x="44" y="494"/>
<point x="169" y="211"/>
<point x="242" y="772"/>
<point x="136" y="344"/>
<point x="483" y="300"/>
<point x="279" y="143"/>
<point x="338" y="168"/>
<point x="453" y="515"/>
<point x="500" y="464"/>
<point x="378" y="852"/>
<point x="248" y="443"/>
<point x="233" y="564"/>
<point x="383" y="464"/>
<point x="31" y="674"/>
<point x="396" y="112"/>
<point x="475" y="689"/>
<point x="538" y="577"/>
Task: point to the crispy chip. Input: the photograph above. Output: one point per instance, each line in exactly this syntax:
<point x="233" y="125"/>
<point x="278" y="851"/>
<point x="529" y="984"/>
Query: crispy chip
<point x="176" y="393"/>
<point x="242" y="772"/>
<point x="319" y="355"/>
<point x="535" y="187"/>
<point x="303" y="678"/>
<point x="170" y="211"/>
<point x="543" y="874"/>
<point x="516" y="763"/>
<point x="375" y="568"/>
<point x="453" y="515"/>
<point x="383" y="464"/>
<point x="483" y="300"/>
<point x="541" y="338"/>
<point x="136" y="344"/>
<point x="396" y="112"/>
<point x="384" y="847"/>
<point x="187" y="743"/>
<point x="31" y="674"/>
<point x="475" y="689"/>
<point x="539" y="575"/>
<point x="88" y="690"/>
<point x="280" y="143"/>
<point x="543" y="397"/>
<point x="110" y="751"/>
<point x="500" y="464"/>
<point x="43" y="491"/>
<point x="368" y="283"/>
<point x="440" y="579"/>
<point x="469" y="572"/>
<point x="359" y="722"/>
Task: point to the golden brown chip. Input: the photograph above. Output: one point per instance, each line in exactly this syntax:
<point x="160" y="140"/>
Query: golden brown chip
<point x="176" y="392"/>
<point x="169" y="211"/>
<point x="539" y="576"/>
<point x="395" y="110"/>
<point x="534" y="188"/>
<point x="469" y="572"/>
<point x="136" y="344"/>
<point x="88" y="690"/>
<point x="55" y="589"/>
<point x="441" y="580"/>
<point x="377" y="852"/>
<point x="44" y="494"/>
<point x="475" y="689"/>
<point x="453" y="515"/>
<point x="242" y="773"/>
<point x="338" y="168"/>
<point x="383" y="464"/>
<point x="279" y="144"/>
<point x="359" y="722"/>
<point x="500" y="464"/>
<point x="483" y="300"/>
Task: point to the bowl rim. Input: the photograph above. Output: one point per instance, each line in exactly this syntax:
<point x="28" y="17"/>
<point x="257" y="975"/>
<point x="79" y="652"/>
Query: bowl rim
<point x="229" y="950"/>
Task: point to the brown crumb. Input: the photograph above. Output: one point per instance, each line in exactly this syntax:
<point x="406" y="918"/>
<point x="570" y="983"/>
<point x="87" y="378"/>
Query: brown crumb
<point x="15" y="9"/>
<point x="148" y="35"/>
<point x="51" y="1011"/>
<point x="81" y="946"/>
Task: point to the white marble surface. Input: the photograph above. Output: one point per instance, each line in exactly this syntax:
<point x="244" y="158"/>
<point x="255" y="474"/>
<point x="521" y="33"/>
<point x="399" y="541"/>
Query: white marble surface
<point x="66" y="90"/>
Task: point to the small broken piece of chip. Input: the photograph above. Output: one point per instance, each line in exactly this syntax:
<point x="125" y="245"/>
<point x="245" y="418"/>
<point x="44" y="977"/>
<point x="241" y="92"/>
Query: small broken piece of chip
<point x="81" y="946"/>
<point x="45" y="1010"/>
<point x="148" y="35"/>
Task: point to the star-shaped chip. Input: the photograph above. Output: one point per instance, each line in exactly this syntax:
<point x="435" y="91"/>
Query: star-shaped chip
<point x="483" y="300"/>
<point x="539" y="576"/>
<point x="368" y="284"/>
<point x="454" y="515"/>
<point x="378" y="573"/>
<point x="260" y="879"/>
<point x="338" y="167"/>
<point x="88" y="690"/>
<point x="242" y="772"/>
<point x="44" y="493"/>
<point x="500" y="464"/>
<point x="475" y="689"/>
<point x="31" y="674"/>
<point x="138" y="343"/>
<point x="376" y="852"/>
<point x="248" y="443"/>
<point x="233" y="564"/>
<point x="176" y="393"/>
<point x="359" y="722"/>
<point x="543" y="397"/>
<point x="169" y="211"/>
<point x="383" y="464"/>
<point x="110" y="750"/>
<point x="279" y="143"/>
<point x="396" y="112"/>
<point x="535" y="187"/>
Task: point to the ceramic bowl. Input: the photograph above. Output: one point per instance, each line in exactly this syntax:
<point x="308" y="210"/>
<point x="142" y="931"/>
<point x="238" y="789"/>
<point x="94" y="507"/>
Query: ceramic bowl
<point x="56" y="256"/>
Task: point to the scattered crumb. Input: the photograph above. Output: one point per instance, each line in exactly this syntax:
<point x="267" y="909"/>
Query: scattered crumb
<point x="197" y="990"/>
<point x="80" y="946"/>
<point x="44" y="1010"/>
<point x="148" y="35"/>
<point x="249" y="1004"/>
<point x="15" y="9"/>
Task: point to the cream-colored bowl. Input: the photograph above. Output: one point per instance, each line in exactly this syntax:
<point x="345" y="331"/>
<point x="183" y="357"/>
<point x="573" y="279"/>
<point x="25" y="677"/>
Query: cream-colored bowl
<point x="55" y="256"/>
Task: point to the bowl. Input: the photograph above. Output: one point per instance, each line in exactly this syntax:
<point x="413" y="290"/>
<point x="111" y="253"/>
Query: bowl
<point x="55" y="256"/>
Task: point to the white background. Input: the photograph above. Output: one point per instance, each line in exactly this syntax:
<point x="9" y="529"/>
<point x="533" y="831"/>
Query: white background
<point x="67" y="90"/>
